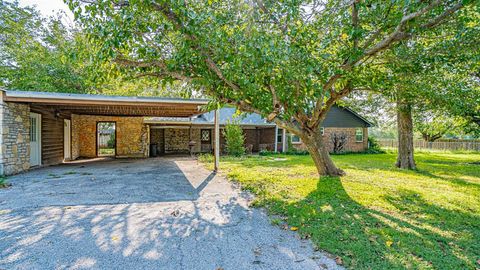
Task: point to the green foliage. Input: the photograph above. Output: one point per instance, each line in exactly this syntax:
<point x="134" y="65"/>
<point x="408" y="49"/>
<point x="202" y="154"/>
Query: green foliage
<point x="374" y="146"/>
<point x="3" y="182"/>
<point x="407" y="219"/>
<point x="111" y="141"/>
<point x="37" y="53"/>
<point x="288" y="61"/>
<point x="44" y="54"/>
<point x="252" y="53"/>
<point x="234" y="139"/>
<point x="434" y="125"/>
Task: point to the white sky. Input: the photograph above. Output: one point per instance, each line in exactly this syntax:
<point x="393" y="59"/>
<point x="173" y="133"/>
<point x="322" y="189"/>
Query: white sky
<point x="48" y="7"/>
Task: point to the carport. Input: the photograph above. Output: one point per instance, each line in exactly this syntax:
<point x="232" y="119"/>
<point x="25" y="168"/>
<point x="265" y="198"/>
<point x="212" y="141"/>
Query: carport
<point x="41" y="128"/>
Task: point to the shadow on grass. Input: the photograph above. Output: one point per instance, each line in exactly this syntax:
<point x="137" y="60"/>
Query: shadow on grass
<point x="418" y="235"/>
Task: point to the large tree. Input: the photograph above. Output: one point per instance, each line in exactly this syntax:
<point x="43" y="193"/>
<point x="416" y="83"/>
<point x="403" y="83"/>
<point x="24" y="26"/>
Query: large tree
<point x="46" y="54"/>
<point x="289" y="61"/>
<point x="433" y="73"/>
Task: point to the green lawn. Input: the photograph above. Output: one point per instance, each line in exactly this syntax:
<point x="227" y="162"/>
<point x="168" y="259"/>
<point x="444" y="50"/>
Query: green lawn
<point x="377" y="216"/>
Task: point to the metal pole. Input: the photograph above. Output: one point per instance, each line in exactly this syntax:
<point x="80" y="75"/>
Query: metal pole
<point x="276" y="139"/>
<point x="217" y="140"/>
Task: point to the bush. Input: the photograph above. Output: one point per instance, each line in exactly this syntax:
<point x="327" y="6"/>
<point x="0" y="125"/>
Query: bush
<point x="3" y="182"/>
<point x="234" y="139"/>
<point x="374" y="147"/>
<point x="267" y="153"/>
<point x="111" y="141"/>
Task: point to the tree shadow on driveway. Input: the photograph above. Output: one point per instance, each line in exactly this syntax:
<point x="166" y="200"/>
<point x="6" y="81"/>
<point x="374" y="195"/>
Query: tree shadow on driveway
<point x="212" y="229"/>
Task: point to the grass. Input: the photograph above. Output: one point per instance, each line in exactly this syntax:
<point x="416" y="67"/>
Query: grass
<point x="106" y="151"/>
<point x="377" y="216"/>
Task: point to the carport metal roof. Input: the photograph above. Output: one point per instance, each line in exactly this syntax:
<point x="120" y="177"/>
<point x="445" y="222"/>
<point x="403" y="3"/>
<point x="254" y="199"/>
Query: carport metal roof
<point x="110" y="105"/>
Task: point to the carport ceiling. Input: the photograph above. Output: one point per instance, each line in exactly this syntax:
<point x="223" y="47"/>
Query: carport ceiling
<point x="110" y="105"/>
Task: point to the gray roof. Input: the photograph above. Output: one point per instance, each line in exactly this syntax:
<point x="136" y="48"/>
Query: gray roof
<point x="226" y="114"/>
<point x="344" y="117"/>
<point x="95" y="97"/>
<point x="336" y="117"/>
<point x="229" y="114"/>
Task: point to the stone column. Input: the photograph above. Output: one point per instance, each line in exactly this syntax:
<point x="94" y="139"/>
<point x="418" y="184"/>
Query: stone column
<point x="2" y="147"/>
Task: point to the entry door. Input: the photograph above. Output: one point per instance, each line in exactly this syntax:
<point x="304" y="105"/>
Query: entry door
<point x="67" y="145"/>
<point x="35" y="139"/>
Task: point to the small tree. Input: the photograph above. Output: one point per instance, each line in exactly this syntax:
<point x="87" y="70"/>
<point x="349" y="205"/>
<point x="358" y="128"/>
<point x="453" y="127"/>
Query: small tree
<point x="339" y="141"/>
<point x="234" y="139"/>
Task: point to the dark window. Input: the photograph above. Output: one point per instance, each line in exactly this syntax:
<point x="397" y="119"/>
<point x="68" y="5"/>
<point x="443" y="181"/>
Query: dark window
<point x="205" y="135"/>
<point x="295" y="139"/>
<point x="280" y="135"/>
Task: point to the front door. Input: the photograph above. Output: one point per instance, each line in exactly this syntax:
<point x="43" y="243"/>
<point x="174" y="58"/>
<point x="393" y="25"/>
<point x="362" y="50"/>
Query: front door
<point x="206" y="140"/>
<point x="67" y="146"/>
<point x="35" y="139"/>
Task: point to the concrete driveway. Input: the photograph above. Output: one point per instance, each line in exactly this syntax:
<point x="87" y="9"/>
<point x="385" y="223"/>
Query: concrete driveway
<point x="161" y="213"/>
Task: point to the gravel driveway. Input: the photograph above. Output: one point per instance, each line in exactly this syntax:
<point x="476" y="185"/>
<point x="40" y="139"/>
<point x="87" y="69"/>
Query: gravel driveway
<point x="160" y="213"/>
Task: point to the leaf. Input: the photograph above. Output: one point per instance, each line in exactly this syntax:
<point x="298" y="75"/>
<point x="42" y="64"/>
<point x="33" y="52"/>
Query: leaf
<point x="389" y="243"/>
<point x="293" y="228"/>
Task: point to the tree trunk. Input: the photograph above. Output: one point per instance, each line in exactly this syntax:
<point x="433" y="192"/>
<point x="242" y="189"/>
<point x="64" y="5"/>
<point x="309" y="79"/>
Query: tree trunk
<point x="319" y="153"/>
<point x="405" y="159"/>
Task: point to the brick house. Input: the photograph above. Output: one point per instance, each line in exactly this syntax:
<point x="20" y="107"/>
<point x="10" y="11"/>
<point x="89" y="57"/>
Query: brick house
<point x="41" y="129"/>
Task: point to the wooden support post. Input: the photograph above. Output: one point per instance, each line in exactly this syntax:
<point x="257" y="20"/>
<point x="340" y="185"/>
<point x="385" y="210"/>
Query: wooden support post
<point x="276" y="139"/>
<point x="216" y="148"/>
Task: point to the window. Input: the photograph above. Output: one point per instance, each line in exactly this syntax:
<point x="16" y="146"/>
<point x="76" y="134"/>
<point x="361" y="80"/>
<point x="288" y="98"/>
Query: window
<point x="322" y="131"/>
<point x="205" y="135"/>
<point x="296" y="139"/>
<point x="359" y="135"/>
<point x="280" y="135"/>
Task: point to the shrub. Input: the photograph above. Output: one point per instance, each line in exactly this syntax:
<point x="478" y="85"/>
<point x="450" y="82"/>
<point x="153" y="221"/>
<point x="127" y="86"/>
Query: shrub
<point x="111" y="141"/>
<point x="234" y="139"/>
<point x="266" y="153"/>
<point x="374" y="147"/>
<point x="3" y="182"/>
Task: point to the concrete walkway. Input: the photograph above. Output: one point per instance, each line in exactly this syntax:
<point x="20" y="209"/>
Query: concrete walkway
<point x="161" y="213"/>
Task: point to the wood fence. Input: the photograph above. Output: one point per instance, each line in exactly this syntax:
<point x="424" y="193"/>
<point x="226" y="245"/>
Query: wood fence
<point x="438" y="145"/>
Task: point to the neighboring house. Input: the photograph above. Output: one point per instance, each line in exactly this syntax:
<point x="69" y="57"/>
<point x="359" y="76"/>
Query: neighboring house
<point x="40" y="128"/>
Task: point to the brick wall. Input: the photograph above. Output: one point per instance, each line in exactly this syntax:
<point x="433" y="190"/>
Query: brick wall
<point x="132" y="136"/>
<point x="15" y="138"/>
<point x="351" y="146"/>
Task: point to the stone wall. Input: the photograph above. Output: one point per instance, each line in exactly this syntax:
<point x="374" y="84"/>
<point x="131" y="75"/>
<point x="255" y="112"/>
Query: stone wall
<point x="15" y="138"/>
<point x="176" y="140"/>
<point x="351" y="146"/>
<point x="132" y="136"/>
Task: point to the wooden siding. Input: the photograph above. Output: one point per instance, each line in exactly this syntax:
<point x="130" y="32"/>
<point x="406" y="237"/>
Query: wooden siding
<point x="52" y="134"/>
